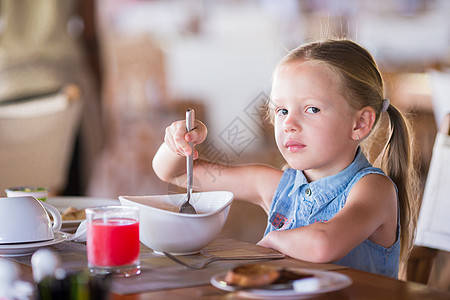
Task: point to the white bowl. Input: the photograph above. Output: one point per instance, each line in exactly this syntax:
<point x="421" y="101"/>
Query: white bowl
<point x="163" y="229"/>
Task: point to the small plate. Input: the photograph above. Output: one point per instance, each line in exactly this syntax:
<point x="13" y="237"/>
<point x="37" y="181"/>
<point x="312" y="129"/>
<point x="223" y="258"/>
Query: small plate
<point x="329" y="281"/>
<point x="79" y="202"/>
<point x="29" y="248"/>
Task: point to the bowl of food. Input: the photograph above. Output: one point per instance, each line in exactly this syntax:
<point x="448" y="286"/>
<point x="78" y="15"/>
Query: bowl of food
<point x="163" y="229"/>
<point x="40" y="193"/>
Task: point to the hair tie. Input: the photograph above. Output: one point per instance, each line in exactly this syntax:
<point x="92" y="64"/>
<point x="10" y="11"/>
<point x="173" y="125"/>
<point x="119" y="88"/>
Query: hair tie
<point x="386" y="104"/>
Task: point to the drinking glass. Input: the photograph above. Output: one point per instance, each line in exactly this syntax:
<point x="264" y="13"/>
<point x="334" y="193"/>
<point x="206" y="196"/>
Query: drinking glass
<point x="112" y="240"/>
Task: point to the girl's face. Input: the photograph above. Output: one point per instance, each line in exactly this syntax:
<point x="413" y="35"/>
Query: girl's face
<point x="313" y="121"/>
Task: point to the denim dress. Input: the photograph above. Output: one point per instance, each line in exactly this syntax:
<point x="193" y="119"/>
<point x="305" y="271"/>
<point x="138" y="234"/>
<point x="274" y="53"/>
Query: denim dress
<point x="298" y="202"/>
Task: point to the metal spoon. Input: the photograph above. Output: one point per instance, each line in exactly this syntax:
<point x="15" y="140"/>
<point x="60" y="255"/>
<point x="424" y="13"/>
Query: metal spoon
<point x="186" y="207"/>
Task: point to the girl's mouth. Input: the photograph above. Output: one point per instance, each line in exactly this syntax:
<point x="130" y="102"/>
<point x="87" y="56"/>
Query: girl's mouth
<point x="294" y="146"/>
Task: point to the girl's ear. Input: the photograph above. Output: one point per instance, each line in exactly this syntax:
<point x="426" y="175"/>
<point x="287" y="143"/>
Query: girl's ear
<point x="364" y="120"/>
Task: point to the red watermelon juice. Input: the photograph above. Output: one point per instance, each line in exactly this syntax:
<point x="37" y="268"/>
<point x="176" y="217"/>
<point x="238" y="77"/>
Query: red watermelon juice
<point x="113" y="242"/>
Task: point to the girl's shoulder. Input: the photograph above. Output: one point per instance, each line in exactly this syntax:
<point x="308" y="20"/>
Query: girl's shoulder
<point x="372" y="182"/>
<point x="369" y="172"/>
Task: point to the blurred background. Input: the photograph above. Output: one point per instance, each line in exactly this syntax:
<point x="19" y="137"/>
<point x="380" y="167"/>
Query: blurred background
<point x="139" y="65"/>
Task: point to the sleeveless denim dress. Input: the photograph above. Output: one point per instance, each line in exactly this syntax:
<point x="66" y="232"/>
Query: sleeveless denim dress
<point x="298" y="202"/>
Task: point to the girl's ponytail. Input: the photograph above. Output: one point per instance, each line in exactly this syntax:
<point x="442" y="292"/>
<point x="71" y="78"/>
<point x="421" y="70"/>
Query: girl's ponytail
<point x="398" y="163"/>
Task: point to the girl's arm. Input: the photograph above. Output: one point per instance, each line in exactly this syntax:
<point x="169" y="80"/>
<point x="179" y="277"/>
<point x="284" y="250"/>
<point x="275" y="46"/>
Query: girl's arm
<point x="370" y="212"/>
<point x="252" y="183"/>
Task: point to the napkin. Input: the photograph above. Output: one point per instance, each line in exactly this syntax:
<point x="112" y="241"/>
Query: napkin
<point x="80" y="235"/>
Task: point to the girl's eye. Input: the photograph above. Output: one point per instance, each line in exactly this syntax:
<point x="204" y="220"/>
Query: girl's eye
<point x="281" y="112"/>
<point x="313" y="110"/>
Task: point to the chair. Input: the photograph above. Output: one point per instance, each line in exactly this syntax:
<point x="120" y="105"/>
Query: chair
<point x="433" y="230"/>
<point x="440" y="90"/>
<point x="37" y="136"/>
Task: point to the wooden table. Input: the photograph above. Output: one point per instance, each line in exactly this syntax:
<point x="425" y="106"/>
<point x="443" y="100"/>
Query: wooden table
<point x="365" y="285"/>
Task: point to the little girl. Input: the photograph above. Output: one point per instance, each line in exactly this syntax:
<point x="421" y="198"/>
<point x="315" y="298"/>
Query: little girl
<point x="331" y="204"/>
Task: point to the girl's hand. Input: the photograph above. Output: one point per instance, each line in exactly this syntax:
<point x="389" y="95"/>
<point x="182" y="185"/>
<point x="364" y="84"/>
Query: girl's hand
<point x="177" y="139"/>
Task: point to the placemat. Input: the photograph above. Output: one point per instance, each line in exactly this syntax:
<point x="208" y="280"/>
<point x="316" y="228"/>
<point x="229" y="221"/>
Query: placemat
<point x="160" y="273"/>
<point x="73" y="256"/>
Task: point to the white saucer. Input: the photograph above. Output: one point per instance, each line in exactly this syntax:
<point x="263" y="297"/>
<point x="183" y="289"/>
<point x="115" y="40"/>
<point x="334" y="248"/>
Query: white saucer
<point x="29" y="248"/>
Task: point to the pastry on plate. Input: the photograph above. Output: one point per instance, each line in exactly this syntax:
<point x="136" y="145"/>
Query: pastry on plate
<point x="259" y="275"/>
<point x="252" y="275"/>
<point x="71" y="214"/>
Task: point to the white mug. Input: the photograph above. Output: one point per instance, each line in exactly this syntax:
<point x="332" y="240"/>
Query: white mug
<point x="25" y="219"/>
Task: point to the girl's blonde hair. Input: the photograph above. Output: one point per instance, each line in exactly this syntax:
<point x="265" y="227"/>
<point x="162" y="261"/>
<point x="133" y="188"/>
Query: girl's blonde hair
<point x="362" y="85"/>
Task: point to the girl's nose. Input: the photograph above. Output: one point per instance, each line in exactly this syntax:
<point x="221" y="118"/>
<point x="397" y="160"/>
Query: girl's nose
<point x="291" y="124"/>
